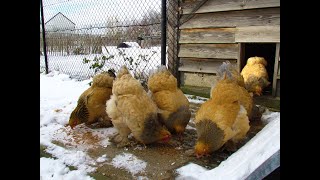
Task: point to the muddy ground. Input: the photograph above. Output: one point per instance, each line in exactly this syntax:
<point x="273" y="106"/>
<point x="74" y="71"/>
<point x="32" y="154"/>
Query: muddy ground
<point x="162" y="159"/>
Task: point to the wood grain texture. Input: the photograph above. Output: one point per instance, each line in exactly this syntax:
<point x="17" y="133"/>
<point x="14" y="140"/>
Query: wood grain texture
<point x="197" y="79"/>
<point x="204" y="65"/>
<point x="241" y="54"/>
<point x="252" y="17"/>
<point x="258" y="34"/>
<point x="219" y="51"/>
<point x="228" y="5"/>
<point x="276" y="71"/>
<point x="212" y="35"/>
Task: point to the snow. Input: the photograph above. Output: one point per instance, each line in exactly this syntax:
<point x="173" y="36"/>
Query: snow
<point x="196" y="99"/>
<point x="129" y="162"/>
<point x="56" y="170"/>
<point x="103" y="158"/>
<point x="144" y="60"/>
<point x="262" y="146"/>
<point x="58" y="97"/>
<point x="133" y="44"/>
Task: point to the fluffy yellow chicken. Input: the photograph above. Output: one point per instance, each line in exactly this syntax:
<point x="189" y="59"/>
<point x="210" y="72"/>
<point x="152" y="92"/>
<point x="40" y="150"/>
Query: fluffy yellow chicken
<point x="172" y="103"/>
<point x="255" y="75"/>
<point x="91" y="104"/>
<point x="223" y="119"/>
<point x="133" y="111"/>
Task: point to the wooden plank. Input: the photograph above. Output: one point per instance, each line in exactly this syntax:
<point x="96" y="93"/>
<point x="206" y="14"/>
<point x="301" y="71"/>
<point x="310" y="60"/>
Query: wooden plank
<point x="205" y="65"/>
<point x="252" y="17"/>
<point x="275" y="70"/>
<point x="228" y="5"/>
<point x="278" y="74"/>
<point x="258" y="34"/>
<point x="214" y="35"/>
<point x="197" y="79"/>
<point x="219" y="51"/>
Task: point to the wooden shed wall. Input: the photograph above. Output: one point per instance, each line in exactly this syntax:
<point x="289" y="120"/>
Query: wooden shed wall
<point x="215" y="33"/>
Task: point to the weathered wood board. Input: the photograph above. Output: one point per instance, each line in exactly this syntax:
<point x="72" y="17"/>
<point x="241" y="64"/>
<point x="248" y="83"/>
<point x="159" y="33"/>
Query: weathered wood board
<point x="219" y="51"/>
<point x="197" y="79"/>
<point x="258" y="34"/>
<point x="202" y="65"/>
<point x="251" y="17"/>
<point x="212" y="35"/>
<point x="227" y="5"/>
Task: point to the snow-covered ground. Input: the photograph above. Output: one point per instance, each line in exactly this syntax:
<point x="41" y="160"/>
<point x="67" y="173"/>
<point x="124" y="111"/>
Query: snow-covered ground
<point x="243" y="162"/>
<point x="139" y="59"/>
<point x="58" y="97"/>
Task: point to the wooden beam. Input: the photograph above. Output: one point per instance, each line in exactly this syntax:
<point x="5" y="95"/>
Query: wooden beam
<point x="213" y="35"/>
<point x="204" y="65"/>
<point x="219" y="51"/>
<point x="251" y="17"/>
<point x="241" y="60"/>
<point x="275" y="70"/>
<point x="228" y="5"/>
<point x="258" y="34"/>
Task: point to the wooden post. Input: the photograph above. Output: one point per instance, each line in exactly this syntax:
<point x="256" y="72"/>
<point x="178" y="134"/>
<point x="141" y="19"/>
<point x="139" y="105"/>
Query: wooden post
<point x="275" y="72"/>
<point x="241" y="60"/>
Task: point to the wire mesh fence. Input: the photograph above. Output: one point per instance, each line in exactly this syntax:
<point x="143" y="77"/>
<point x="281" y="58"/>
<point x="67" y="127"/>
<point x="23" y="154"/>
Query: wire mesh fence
<point x="84" y="37"/>
<point x="172" y="34"/>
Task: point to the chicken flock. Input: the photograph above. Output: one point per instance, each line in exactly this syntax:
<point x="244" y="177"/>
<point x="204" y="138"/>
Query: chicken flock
<point x="162" y="112"/>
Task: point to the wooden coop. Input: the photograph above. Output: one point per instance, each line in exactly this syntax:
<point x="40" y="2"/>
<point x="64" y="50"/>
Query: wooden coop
<point x="212" y="31"/>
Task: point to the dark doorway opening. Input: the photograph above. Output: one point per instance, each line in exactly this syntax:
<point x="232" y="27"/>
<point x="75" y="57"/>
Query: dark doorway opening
<point x="266" y="50"/>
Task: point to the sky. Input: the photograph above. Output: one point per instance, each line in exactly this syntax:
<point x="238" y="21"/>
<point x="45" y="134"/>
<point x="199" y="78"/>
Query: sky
<point x="58" y="97"/>
<point x="98" y="12"/>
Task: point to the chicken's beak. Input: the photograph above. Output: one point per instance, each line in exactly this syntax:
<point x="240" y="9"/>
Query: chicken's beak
<point x="258" y="91"/>
<point x="201" y="154"/>
<point x="201" y="150"/>
<point x="166" y="138"/>
<point x="73" y="124"/>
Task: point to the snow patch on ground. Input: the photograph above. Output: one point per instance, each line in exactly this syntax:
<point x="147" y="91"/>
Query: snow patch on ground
<point x="129" y="162"/>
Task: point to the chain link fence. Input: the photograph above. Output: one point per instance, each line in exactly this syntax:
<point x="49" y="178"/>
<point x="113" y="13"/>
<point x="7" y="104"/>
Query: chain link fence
<point x="83" y="37"/>
<point x="173" y="16"/>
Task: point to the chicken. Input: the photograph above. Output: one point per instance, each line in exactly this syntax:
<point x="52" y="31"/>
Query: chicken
<point x="133" y="111"/>
<point x="255" y="75"/>
<point x="91" y="104"/>
<point x="223" y="119"/>
<point x="231" y="72"/>
<point x="172" y="103"/>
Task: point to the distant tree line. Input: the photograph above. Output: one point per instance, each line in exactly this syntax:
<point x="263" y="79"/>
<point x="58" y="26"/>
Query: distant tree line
<point x="86" y="42"/>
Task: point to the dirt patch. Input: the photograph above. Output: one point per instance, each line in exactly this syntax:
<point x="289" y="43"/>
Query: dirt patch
<point x="162" y="159"/>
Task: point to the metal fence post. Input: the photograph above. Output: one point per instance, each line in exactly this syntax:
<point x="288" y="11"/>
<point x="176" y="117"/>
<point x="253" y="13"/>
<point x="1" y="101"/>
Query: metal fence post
<point x="163" y="31"/>
<point x="44" y="38"/>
